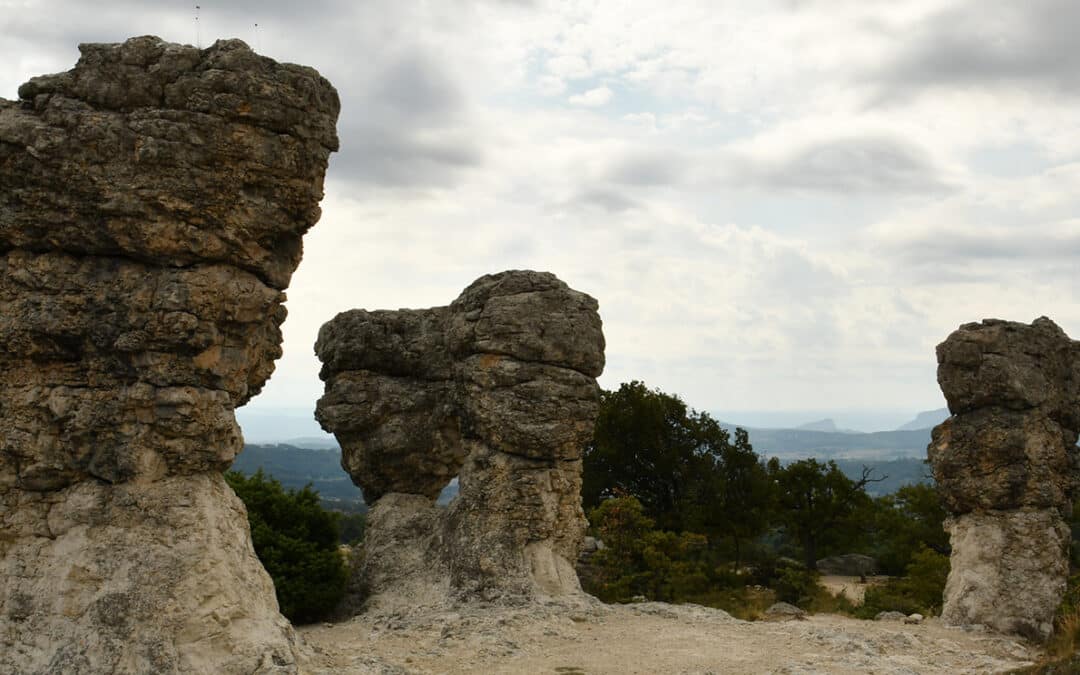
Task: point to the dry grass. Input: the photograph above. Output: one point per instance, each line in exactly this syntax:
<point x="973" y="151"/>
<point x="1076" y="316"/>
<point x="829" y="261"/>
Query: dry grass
<point x="1065" y="641"/>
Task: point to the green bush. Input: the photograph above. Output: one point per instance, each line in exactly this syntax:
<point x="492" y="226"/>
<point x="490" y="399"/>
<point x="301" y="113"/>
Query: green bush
<point x="640" y="561"/>
<point x="297" y="542"/>
<point x="920" y="590"/>
<point x="795" y="585"/>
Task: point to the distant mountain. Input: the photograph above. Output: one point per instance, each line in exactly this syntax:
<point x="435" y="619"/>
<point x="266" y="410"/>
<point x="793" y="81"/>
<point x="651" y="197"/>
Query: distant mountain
<point x="788" y="444"/>
<point x="926" y="420"/>
<point x="827" y="424"/>
<point x="294" y="467"/>
<point x="896" y="473"/>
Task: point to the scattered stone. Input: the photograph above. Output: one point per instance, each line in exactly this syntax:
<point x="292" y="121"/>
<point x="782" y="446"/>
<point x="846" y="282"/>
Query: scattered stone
<point x="153" y="203"/>
<point x="890" y="616"/>
<point x="497" y="389"/>
<point x="782" y="611"/>
<point x="914" y="618"/>
<point x="848" y="565"/>
<point x="1006" y="465"/>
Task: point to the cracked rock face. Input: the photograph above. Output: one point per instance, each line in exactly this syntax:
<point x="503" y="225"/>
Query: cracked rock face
<point x="152" y="207"/>
<point x="1006" y="464"/>
<point x="498" y="389"/>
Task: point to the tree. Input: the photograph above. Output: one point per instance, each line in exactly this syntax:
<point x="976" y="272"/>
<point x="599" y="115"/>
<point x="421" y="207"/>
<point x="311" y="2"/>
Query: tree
<point x="818" y="504"/>
<point x="910" y="518"/>
<point x="733" y="496"/>
<point x="297" y="542"/>
<point x="644" y="445"/>
<point x="679" y="463"/>
<point x="638" y="560"/>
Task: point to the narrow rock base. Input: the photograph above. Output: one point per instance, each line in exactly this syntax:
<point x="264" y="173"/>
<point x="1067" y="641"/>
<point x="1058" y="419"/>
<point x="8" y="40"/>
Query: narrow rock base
<point x="1009" y="570"/>
<point x="129" y="578"/>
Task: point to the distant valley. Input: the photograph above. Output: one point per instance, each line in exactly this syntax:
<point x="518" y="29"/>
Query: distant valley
<point x="316" y="459"/>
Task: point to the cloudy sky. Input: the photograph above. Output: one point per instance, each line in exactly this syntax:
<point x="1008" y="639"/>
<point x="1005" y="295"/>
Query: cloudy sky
<point x="780" y="205"/>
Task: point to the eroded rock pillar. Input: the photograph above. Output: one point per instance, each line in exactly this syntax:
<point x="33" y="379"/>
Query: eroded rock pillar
<point x="498" y="389"/>
<point x="152" y="204"/>
<point x="1006" y="466"/>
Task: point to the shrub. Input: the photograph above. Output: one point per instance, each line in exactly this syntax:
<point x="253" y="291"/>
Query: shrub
<point x="919" y="591"/>
<point x="795" y="585"/>
<point x="638" y="560"/>
<point x="297" y="542"/>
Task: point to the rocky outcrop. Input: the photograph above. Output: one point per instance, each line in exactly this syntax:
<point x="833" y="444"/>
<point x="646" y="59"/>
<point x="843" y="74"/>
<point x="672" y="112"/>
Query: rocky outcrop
<point x="498" y="389"/>
<point x="1006" y="464"/>
<point x="152" y="207"/>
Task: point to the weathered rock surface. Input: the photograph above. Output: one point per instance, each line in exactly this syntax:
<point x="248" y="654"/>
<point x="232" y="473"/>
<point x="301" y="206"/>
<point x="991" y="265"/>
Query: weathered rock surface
<point x="499" y="389"/>
<point x="152" y="204"/>
<point x="580" y="634"/>
<point x="1006" y="464"/>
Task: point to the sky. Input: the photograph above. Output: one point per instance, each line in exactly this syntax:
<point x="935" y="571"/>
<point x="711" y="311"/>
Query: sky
<point x="780" y="206"/>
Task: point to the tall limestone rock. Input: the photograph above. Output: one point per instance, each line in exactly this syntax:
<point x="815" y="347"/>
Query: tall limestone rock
<point x="498" y="389"/>
<point x="152" y="204"/>
<point x="1006" y="463"/>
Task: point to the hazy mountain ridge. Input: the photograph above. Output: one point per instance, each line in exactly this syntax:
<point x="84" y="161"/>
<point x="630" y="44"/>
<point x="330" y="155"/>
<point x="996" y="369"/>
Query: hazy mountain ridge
<point x="927" y="419"/>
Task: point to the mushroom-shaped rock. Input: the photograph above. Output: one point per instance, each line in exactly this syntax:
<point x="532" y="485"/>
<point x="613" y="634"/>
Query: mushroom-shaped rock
<point x="1006" y="466"/>
<point x="498" y="389"/>
<point x="152" y="204"/>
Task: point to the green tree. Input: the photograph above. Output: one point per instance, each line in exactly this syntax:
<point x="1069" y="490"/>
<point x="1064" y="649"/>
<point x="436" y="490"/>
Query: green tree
<point x="680" y="464"/>
<point x="352" y="527"/>
<point x="919" y="590"/>
<point x="819" y="506"/>
<point x="297" y="542"/>
<point x="733" y="496"/>
<point x="908" y="519"/>
<point x="638" y="560"/>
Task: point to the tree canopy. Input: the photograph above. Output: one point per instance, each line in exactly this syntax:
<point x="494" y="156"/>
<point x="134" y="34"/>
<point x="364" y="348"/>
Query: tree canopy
<point x="297" y="542"/>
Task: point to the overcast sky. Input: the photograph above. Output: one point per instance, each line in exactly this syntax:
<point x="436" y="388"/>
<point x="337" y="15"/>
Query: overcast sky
<point x="780" y="205"/>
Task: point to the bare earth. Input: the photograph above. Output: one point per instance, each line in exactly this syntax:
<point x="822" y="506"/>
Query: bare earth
<point x="586" y="636"/>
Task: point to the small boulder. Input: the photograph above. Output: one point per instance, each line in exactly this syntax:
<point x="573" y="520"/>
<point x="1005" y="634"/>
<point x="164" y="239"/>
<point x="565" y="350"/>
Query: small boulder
<point x="890" y="616"/>
<point x="913" y="618"/>
<point x="782" y="611"/>
<point x="848" y="565"/>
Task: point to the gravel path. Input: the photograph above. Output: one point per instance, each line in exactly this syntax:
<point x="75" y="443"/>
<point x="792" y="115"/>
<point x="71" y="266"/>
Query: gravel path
<point x="586" y="636"/>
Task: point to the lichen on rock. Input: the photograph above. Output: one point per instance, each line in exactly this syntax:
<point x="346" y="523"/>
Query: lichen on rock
<point x="497" y="389"/>
<point x="1006" y="464"/>
<point x="152" y="207"/>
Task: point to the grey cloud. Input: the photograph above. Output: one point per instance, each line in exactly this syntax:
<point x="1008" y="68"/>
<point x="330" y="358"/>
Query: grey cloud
<point x="648" y="168"/>
<point x="416" y="88"/>
<point x="405" y="117"/>
<point x="868" y="164"/>
<point x="608" y="199"/>
<point x="390" y="155"/>
<point x="407" y="126"/>
<point x="989" y="42"/>
<point x="1027" y="246"/>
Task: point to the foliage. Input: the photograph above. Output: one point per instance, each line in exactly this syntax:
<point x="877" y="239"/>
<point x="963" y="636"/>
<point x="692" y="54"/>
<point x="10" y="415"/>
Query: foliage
<point x="297" y="542"/>
<point x="920" y="590"/>
<point x="731" y="497"/>
<point x="795" y="585"/>
<point x="352" y="527"/>
<point x="680" y="465"/>
<point x="819" y="506"/>
<point x="910" y="517"/>
<point x="638" y="560"/>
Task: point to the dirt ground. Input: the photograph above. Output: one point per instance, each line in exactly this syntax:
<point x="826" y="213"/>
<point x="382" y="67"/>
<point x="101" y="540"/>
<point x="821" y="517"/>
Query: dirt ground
<point x="586" y="636"/>
<point x="851" y="587"/>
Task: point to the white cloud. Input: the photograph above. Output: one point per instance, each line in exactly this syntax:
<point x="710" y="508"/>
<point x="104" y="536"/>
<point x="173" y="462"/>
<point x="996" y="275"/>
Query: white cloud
<point x="592" y="98"/>
<point x="762" y="227"/>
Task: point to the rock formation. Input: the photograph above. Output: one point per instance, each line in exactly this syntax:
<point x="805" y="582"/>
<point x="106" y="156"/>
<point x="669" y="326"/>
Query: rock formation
<point x="152" y="204"/>
<point x="498" y="389"/>
<point x="1006" y="465"/>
